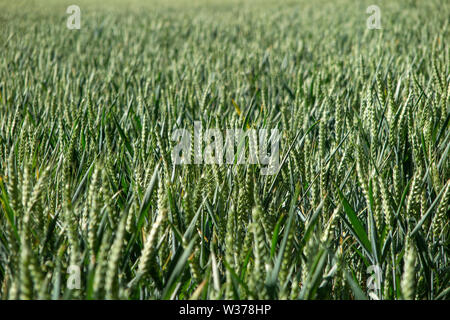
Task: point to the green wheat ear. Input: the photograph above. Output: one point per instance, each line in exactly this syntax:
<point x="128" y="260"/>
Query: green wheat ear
<point x="409" y="271"/>
<point x="112" y="271"/>
<point x="440" y="217"/>
<point x="147" y="255"/>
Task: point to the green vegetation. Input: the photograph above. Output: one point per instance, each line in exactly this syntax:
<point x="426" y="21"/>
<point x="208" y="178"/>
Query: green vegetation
<point x="87" y="180"/>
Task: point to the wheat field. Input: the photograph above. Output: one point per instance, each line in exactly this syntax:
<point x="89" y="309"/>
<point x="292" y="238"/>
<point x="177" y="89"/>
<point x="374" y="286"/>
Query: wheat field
<point x="94" y="207"/>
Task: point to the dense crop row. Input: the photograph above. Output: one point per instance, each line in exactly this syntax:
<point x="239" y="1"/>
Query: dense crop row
<point x="359" y="207"/>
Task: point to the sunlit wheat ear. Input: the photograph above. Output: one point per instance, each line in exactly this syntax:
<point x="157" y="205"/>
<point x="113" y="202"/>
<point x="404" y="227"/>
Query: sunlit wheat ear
<point x="229" y="250"/>
<point x="377" y="202"/>
<point x="310" y="251"/>
<point x="409" y="271"/>
<point x="15" y="203"/>
<point x="94" y="197"/>
<point x="149" y="250"/>
<point x="37" y="277"/>
<point x="440" y="220"/>
<point x="244" y="204"/>
<point x="194" y="266"/>
<point x="286" y="264"/>
<point x="101" y="264"/>
<point x="131" y="218"/>
<point x="412" y="205"/>
<point x="439" y="82"/>
<point x="397" y="181"/>
<point x="197" y="197"/>
<point x="328" y="233"/>
<point x="256" y="284"/>
<point x="112" y="271"/>
<point x="187" y="204"/>
<point x="380" y="89"/>
<point x="386" y="204"/>
<point x="27" y="182"/>
<point x="35" y="205"/>
<point x="12" y="183"/>
<point x="25" y="287"/>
